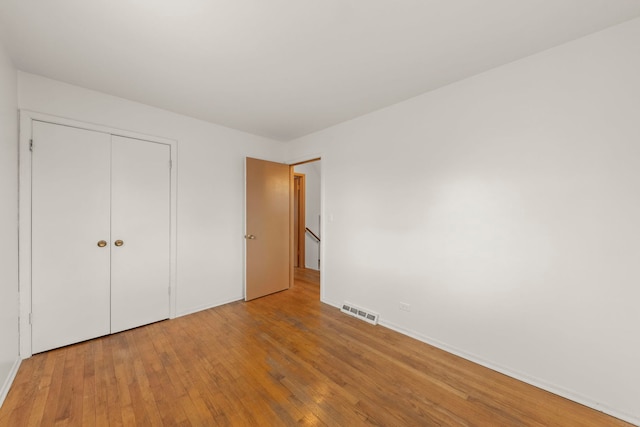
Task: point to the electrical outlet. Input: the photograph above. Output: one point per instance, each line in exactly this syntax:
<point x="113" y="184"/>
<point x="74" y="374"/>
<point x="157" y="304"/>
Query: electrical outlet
<point x="405" y="307"/>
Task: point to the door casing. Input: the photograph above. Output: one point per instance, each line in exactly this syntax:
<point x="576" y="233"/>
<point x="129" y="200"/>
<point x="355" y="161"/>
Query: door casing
<point x="24" y="215"/>
<point x="299" y="224"/>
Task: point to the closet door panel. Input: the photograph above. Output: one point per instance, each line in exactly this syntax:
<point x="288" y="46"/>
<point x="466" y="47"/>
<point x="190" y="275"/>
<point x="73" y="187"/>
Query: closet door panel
<point x="140" y="209"/>
<point x="70" y="215"/>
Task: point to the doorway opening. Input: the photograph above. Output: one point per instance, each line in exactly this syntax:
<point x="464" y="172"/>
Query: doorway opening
<point x="307" y="219"/>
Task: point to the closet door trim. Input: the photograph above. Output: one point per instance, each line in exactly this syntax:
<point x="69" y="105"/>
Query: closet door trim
<point x="27" y="118"/>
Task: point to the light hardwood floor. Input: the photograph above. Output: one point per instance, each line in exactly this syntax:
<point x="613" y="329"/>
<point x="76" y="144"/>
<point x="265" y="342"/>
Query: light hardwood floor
<point x="285" y="359"/>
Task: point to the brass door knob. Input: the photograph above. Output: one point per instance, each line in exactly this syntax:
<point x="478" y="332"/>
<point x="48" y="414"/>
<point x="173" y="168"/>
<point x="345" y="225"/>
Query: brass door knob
<point x="250" y="237"/>
<point x="118" y="243"/>
<point x="102" y="243"/>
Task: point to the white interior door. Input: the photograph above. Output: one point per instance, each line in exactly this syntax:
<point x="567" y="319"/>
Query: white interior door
<point x="70" y="215"/>
<point x="140" y="218"/>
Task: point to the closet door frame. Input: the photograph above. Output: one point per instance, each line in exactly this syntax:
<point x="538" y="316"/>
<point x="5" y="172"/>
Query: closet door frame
<point x="27" y="118"/>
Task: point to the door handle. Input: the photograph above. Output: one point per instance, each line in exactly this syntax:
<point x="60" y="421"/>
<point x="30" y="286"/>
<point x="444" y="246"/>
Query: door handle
<point x="102" y="243"/>
<point x="118" y="243"/>
<point x="250" y="237"/>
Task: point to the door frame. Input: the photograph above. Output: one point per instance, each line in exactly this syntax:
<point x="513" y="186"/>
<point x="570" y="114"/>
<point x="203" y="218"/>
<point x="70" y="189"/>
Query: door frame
<point x="24" y="211"/>
<point x="301" y="196"/>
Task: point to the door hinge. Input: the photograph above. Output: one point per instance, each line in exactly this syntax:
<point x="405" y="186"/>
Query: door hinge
<point x="30" y="318"/>
<point x="169" y="291"/>
<point x="170" y="164"/>
<point x="31" y="145"/>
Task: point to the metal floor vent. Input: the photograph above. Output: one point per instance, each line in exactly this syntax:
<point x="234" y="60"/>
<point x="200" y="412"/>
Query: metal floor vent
<point x="360" y="313"/>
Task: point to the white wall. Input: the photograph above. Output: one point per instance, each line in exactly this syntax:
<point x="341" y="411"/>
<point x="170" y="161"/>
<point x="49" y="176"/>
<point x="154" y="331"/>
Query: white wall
<point x="210" y="181"/>
<point x="312" y="173"/>
<point x="8" y="222"/>
<point x="505" y="209"/>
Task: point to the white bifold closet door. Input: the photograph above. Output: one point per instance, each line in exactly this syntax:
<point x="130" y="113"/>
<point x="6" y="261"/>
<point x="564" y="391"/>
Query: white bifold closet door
<point x="90" y="189"/>
<point x="70" y="274"/>
<point x="140" y="199"/>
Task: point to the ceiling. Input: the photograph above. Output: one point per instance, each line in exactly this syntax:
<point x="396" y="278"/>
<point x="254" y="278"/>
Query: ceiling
<point x="285" y="68"/>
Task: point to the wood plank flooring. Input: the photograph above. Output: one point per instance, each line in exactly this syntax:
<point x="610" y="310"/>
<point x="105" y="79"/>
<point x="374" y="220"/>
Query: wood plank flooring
<point x="281" y="360"/>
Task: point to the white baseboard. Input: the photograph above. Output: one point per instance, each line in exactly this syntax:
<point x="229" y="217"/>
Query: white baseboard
<point x="331" y="303"/>
<point x="7" y="383"/>
<point x="208" y="306"/>
<point x="536" y="382"/>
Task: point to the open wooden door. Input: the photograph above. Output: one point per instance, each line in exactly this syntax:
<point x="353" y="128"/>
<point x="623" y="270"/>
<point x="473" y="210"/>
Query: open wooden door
<point x="268" y="228"/>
